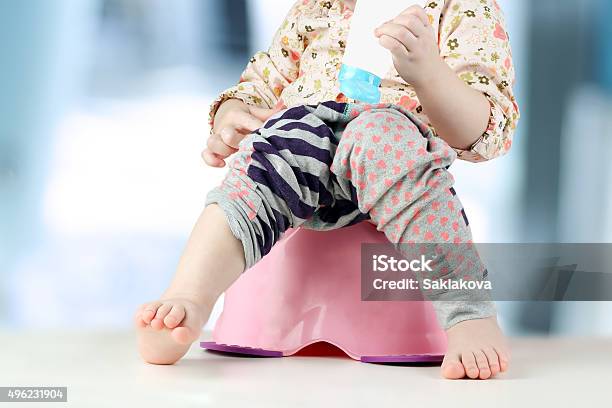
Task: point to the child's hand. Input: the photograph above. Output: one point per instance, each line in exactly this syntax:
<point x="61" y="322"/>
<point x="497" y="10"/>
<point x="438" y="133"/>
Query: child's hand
<point x="234" y="120"/>
<point x="412" y="41"/>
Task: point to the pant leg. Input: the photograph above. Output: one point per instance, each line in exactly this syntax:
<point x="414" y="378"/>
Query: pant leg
<point x="281" y="177"/>
<point x="400" y="172"/>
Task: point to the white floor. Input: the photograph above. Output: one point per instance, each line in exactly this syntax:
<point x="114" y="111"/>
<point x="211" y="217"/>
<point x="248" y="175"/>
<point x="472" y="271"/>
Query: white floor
<point x="102" y="369"/>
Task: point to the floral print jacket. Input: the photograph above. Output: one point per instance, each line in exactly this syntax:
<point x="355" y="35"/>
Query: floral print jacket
<point x="302" y="64"/>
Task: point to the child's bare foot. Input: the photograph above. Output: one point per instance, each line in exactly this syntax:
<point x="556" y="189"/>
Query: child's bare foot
<point x="166" y="328"/>
<point x="476" y="349"/>
<point x="213" y="259"/>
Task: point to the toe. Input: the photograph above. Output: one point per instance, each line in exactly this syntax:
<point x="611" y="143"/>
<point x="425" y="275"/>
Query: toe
<point x="163" y="311"/>
<point x="493" y="359"/>
<point x="469" y="363"/>
<point x="158" y="322"/>
<point x="149" y="311"/>
<point x="452" y="368"/>
<point x="138" y="317"/>
<point x="483" y="364"/>
<point x="138" y="321"/>
<point x="184" y="335"/>
<point x="175" y="316"/>
<point x="504" y="358"/>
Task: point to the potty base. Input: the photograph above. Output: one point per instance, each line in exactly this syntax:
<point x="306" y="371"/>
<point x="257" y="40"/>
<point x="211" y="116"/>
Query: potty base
<point x="307" y="290"/>
<point x="245" y="351"/>
<point x="255" y="352"/>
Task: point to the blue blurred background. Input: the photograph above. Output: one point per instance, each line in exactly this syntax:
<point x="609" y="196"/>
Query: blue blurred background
<point x="103" y="114"/>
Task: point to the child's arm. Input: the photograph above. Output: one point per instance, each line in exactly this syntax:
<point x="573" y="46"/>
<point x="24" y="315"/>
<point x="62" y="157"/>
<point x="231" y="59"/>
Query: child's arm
<point x="465" y="82"/>
<point x="268" y="73"/>
<point x="243" y="108"/>
<point x="459" y="113"/>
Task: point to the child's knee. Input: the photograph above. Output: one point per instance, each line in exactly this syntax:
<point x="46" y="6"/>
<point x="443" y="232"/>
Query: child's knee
<point x="390" y="140"/>
<point x="381" y="140"/>
<point x="384" y="129"/>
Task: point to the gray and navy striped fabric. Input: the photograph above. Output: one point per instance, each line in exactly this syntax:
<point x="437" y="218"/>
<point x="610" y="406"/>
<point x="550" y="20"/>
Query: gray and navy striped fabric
<point x="288" y="163"/>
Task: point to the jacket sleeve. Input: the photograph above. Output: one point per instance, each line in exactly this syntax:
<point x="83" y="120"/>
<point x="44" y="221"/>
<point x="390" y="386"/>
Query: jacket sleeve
<point x="268" y="73"/>
<point x="475" y="44"/>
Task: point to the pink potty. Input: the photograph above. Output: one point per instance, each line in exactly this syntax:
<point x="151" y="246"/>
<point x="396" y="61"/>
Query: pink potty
<point x="308" y="290"/>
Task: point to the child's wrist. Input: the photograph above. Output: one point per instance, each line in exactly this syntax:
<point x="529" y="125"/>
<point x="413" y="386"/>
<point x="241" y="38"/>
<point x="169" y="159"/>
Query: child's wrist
<point x="431" y="77"/>
<point x="225" y="107"/>
<point x="230" y="104"/>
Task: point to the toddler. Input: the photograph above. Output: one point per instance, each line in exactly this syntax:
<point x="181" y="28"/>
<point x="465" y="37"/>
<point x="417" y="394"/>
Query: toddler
<point x="306" y="155"/>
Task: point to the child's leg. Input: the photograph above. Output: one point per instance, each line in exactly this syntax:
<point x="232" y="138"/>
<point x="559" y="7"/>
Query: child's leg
<point x="278" y="180"/>
<point x="211" y="261"/>
<point x="402" y="180"/>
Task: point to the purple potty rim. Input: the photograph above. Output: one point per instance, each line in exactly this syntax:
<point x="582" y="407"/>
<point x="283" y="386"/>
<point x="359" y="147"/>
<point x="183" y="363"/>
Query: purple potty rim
<point x="406" y="359"/>
<point x="239" y="350"/>
<point x="258" y="352"/>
